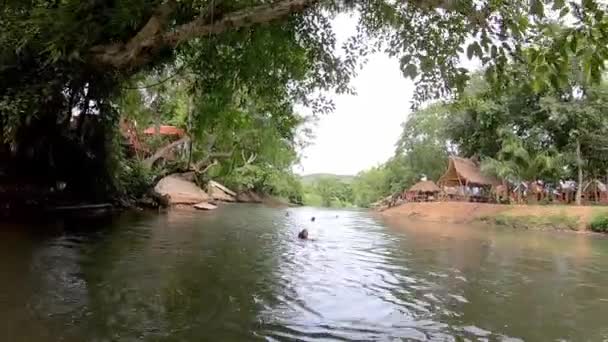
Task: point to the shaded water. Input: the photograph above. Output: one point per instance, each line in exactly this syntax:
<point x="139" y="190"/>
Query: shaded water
<point x="240" y="273"/>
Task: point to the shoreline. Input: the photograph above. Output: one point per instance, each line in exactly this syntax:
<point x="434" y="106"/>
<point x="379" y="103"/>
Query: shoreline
<point x="553" y="218"/>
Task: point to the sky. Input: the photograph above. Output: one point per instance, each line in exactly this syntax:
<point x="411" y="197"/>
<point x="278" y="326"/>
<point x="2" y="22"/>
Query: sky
<point x="362" y="130"/>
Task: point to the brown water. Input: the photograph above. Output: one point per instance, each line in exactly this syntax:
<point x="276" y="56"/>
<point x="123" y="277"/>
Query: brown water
<point x="240" y="274"/>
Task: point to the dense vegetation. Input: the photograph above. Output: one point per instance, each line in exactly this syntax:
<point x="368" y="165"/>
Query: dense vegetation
<point x="328" y="191"/>
<point x="599" y="223"/>
<point x="517" y="134"/>
<point x="68" y="69"/>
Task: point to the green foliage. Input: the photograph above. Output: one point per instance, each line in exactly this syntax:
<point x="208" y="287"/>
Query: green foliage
<point x="329" y="191"/>
<point x="333" y="192"/>
<point x="369" y="186"/>
<point x="81" y="56"/>
<point x="599" y="223"/>
<point x="312" y="198"/>
<point x="133" y="179"/>
<point x="423" y="145"/>
<point x="518" y="135"/>
<point x="516" y="164"/>
<point x="315" y="177"/>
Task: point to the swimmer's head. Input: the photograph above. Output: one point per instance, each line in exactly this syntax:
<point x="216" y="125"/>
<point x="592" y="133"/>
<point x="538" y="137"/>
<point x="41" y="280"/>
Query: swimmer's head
<point x="303" y="234"/>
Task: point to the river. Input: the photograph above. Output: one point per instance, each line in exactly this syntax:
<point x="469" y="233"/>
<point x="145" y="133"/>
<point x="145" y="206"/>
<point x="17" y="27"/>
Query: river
<point x="241" y="274"/>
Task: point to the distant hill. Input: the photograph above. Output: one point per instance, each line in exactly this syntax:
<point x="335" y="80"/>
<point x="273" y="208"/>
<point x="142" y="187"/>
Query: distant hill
<point x="314" y="177"/>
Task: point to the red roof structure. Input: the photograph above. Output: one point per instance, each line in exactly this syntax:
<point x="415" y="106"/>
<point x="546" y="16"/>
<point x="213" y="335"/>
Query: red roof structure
<point x="165" y="130"/>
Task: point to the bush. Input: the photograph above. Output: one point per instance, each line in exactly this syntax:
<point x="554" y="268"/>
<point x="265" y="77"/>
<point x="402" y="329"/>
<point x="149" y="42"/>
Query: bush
<point x="599" y="223"/>
<point x="134" y="179"/>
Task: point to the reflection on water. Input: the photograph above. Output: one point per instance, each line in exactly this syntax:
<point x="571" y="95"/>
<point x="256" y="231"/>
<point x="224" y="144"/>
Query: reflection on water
<point x="240" y="273"/>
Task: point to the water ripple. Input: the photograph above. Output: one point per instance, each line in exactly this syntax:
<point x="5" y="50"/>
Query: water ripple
<point x="240" y="273"/>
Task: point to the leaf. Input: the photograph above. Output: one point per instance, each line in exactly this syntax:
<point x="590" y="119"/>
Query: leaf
<point x="573" y="44"/>
<point x="564" y="12"/>
<point x="558" y="4"/>
<point x="542" y="69"/>
<point x="471" y="50"/>
<point x="537" y="8"/>
<point x="410" y="71"/>
<point x="427" y="64"/>
<point x="406" y="59"/>
<point x="537" y="85"/>
<point x="523" y="22"/>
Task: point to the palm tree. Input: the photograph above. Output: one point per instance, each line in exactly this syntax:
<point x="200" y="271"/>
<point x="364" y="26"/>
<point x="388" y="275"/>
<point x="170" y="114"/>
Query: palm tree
<point x="516" y="164"/>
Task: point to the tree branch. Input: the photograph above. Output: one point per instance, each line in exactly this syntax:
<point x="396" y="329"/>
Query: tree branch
<point x="244" y="18"/>
<point x="154" y="37"/>
<point x="164" y="150"/>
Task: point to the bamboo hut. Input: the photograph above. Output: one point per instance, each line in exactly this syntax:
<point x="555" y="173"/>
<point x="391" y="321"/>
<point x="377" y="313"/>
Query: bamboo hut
<point x="465" y="175"/>
<point x="595" y="191"/>
<point x="423" y="191"/>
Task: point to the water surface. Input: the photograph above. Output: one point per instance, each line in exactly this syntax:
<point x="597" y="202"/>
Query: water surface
<point x="240" y="273"/>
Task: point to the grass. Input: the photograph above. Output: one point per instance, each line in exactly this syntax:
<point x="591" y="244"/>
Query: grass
<point x="555" y="222"/>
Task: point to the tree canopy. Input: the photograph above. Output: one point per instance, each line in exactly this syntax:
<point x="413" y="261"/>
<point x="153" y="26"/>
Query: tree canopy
<point x="64" y="64"/>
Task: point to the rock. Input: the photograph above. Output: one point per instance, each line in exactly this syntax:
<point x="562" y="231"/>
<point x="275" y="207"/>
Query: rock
<point x="223" y="188"/>
<point x="189" y="176"/>
<point x="220" y="193"/>
<point x="177" y="190"/>
<point x="248" y="197"/>
<point x="205" y="206"/>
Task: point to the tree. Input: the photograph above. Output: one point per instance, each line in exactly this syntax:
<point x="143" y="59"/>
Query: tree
<point x="517" y="164"/>
<point x="369" y="186"/>
<point x="71" y="56"/>
<point x="424" y="144"/>
<point x="580" y="126"/>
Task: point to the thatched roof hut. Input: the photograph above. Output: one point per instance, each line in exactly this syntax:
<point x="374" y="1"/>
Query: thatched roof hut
<point x="465" y="172"/>
<point x="595" y="186"/>
<point x="425" y="186"/>
<point x="595" y="191"/>
<point x="422" y="191"/>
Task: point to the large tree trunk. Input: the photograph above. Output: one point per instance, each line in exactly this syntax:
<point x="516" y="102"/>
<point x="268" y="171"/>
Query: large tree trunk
<point x="579" y="165"/>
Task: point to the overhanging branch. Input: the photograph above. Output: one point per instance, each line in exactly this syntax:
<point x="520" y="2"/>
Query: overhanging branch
<point x="154" y="37"/>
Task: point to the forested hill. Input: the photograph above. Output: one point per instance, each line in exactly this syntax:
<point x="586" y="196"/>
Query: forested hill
<point x="315" y="177"/>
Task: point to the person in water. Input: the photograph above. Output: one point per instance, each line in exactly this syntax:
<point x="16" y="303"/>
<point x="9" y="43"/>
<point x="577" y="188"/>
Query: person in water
<point x="303" y="234"/>
<point x="312" y="219"/>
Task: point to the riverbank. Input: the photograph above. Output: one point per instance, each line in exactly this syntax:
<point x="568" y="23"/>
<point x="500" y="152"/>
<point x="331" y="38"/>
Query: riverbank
<point x="543" y="217"/>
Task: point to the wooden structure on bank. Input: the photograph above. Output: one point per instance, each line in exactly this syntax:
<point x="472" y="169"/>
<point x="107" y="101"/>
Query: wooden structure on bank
<point x="165" y="130"/>
<point x="595" y="191"/>
<point x="528" y="192"/>
<point x="465" y="175"/>
<point x="423" y="191"/>
<point x="129" y="133"/>
<point x="566" y="192"/>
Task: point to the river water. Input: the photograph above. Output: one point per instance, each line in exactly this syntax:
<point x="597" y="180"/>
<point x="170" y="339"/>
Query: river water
<point x="241" y="274"/>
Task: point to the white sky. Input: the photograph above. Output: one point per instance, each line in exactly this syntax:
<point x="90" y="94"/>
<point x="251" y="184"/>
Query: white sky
<point x="362" y="130"/>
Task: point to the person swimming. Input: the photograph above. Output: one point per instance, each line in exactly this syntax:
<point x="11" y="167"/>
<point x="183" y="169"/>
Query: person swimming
<point x="303" y="234"/>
